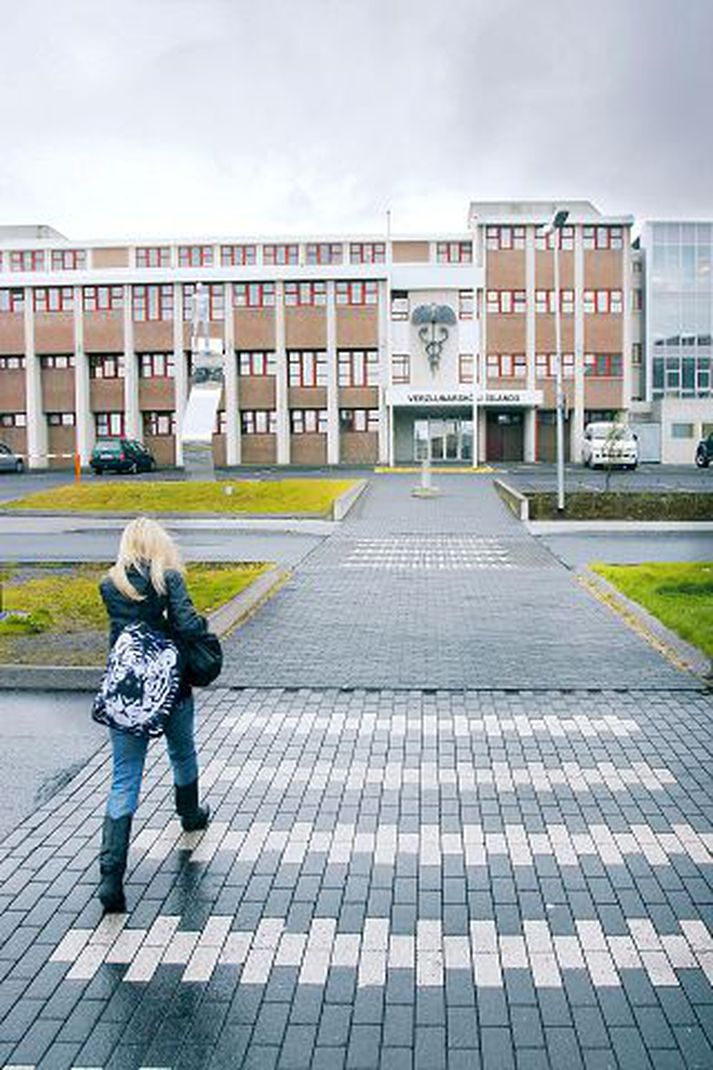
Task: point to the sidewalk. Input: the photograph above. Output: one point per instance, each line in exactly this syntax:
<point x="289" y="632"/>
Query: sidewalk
<point x="401" y="872"/>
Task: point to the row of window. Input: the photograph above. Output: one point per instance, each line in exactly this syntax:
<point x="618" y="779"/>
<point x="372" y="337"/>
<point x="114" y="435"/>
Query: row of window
<point x="252" y="422"/>
<point x="683" y="376"/>
<point x="355" y="367"/>
<point x="593" y="237"/>
<point x="358" y="368"/>
<point x="514" y="302"/>
<point x="155" y="302"/>
<point x="272" y="254"/>
<point x="45" y="259"/>
<point x="514" y="365"/>
<point x="306" y="421"/>
<point x="680" y="430"/>
<point x="459" y="252"/>
<point x="288" y="253"/>
<point x="159" y="256"/>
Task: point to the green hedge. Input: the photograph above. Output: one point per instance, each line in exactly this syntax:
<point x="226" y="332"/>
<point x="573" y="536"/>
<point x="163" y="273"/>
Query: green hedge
<point x="623" y="505"/>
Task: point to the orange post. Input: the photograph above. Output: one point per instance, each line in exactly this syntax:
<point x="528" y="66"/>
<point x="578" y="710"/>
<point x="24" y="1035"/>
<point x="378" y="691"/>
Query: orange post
<point x="77" y="468"/>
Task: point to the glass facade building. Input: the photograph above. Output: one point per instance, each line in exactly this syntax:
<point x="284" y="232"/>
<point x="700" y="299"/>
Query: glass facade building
<point x="678" y="324"/>
<point x="679" y="309"/>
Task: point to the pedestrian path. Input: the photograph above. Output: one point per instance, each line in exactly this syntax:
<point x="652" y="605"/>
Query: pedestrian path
<point x="391" y="879"/>
<point x="503" y="877"/>
<point x="450" y="592"/>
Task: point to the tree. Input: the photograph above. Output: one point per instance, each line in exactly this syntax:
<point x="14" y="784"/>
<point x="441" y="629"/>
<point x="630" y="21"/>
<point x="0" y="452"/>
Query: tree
<point x="610" y="449"/>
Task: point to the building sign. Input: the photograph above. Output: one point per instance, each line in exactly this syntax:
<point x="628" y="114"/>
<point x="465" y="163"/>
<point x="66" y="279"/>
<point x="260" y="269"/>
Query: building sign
<point x="408" y="396"/>
<point x="405" y="396"/>
<point x="508" y="397"/>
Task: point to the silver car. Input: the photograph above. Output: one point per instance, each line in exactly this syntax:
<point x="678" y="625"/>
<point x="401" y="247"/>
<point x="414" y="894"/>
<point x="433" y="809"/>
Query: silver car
<point x="9" y="460"/>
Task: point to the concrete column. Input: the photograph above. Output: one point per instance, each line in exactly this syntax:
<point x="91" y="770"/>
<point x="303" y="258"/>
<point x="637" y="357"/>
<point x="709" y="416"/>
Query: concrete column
<point x="132" y="415"/>
<point x="577" y="421"/>
<point x="384" y="345"/>
<point x="230" y="372"/>
<point x="84" y="430"/>
<point x="36" y="432"/>
<point x="282" y="416"/>
<point x="180" y="382"/>
<point x="332" y="381"/>
<point x="480" y="362"/>
<point x="482" y="436"/>
<point x="626" y="322"/>
<point x="530" y="342"/>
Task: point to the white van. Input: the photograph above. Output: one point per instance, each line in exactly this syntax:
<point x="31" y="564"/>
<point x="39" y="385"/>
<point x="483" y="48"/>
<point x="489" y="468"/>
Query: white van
<point x="609" y="444"/>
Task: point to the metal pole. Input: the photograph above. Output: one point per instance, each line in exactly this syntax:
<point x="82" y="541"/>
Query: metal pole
<point x="558" y="372"/>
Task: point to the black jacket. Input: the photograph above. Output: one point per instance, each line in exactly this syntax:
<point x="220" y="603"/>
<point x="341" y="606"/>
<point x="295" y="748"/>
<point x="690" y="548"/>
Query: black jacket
<point x="172" y="613"/>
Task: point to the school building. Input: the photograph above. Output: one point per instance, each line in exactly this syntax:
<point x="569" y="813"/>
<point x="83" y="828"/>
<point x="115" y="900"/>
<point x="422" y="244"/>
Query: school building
<point x="352" y="349"/>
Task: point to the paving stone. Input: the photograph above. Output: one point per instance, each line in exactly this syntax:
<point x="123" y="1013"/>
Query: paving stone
<point x="424" y="852"/>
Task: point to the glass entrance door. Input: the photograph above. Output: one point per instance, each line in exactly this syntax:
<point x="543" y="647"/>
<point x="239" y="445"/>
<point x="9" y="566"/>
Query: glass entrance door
<point x="436" y="434"/>
<point x="436" y="439"/>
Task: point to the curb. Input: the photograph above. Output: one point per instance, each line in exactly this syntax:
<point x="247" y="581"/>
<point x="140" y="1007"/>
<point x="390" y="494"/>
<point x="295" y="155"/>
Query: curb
<point x="111" y="514"/>
<point x="478" y="470"/>
<point x="677" y="651"/>
<point x="517" y="503"/>
<point x="347" y="499"/>
<point x="571" y="527"/>
<point x="88" y="677"/>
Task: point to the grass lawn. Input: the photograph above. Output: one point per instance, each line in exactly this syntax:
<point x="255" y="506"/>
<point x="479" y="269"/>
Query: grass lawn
<point x="680" y="595"/>
<point x="291" y="496"/>
<point x="624" y="505"/>
<point x="64" y="621"/>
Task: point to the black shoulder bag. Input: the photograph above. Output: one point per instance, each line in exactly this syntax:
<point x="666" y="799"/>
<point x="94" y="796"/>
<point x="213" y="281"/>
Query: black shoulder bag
<point x="201" y="657"/>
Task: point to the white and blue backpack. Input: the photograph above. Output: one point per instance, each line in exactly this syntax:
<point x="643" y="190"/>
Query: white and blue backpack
<point x="140" y="685"/>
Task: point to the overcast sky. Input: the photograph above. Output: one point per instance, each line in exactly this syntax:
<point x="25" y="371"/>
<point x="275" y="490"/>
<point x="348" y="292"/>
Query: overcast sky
<point x="217" y="117"/>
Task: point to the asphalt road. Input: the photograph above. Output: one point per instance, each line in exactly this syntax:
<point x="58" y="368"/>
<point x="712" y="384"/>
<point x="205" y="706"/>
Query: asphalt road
<point x="45" y="739"/>
<point x="578" y="549"/>
<point x="84" y="543"/>
<point x="658" y="477"/>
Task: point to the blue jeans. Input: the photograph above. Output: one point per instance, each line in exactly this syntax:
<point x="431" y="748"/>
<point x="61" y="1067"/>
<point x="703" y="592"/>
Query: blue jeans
<point x="129" y="753"/>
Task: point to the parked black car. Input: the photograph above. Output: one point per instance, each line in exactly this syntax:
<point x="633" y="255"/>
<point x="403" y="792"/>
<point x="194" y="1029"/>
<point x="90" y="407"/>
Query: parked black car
<point x="121" y="455"/>
<point x="704" y="452"/>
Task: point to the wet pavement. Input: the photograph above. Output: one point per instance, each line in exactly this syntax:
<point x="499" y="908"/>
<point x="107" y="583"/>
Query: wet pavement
<point x="467" y="872"/>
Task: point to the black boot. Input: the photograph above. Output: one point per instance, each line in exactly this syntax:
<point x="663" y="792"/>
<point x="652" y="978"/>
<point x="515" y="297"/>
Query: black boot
<point x="193" y="817"/>
<point x="112" y="863"/>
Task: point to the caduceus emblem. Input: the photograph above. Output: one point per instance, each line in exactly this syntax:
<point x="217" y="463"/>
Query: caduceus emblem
<point x="433" y="322"/>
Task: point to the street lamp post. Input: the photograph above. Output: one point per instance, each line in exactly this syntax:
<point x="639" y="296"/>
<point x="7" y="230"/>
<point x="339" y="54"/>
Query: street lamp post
<point x="554" y="227"/>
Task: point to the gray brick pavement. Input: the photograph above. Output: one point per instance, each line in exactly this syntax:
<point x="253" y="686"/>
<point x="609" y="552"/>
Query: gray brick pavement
<point x="456" y="877"/>
<point x="452" y="876"/>
<point x="449" y="592"/>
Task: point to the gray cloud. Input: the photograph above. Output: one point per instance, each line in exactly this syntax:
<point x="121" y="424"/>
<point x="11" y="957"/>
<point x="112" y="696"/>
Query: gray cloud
<point x="218" y="116"/>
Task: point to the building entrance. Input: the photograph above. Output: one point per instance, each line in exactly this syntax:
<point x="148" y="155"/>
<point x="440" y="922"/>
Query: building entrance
<point x="547" y="437"/>
<point x="505" y="436"/>
<point x="436" y="439"/>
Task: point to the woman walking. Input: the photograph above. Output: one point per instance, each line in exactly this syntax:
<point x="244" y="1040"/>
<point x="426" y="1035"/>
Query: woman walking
<point x="147" y="585"/>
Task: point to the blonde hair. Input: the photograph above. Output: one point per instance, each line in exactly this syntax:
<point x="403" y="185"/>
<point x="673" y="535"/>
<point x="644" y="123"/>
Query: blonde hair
<point x="144" y="545"/>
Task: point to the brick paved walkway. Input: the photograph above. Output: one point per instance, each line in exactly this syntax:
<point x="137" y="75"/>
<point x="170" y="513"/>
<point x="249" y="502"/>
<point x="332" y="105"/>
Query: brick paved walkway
<point x="430" y="878"/>
<point x="450" y="592"/>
